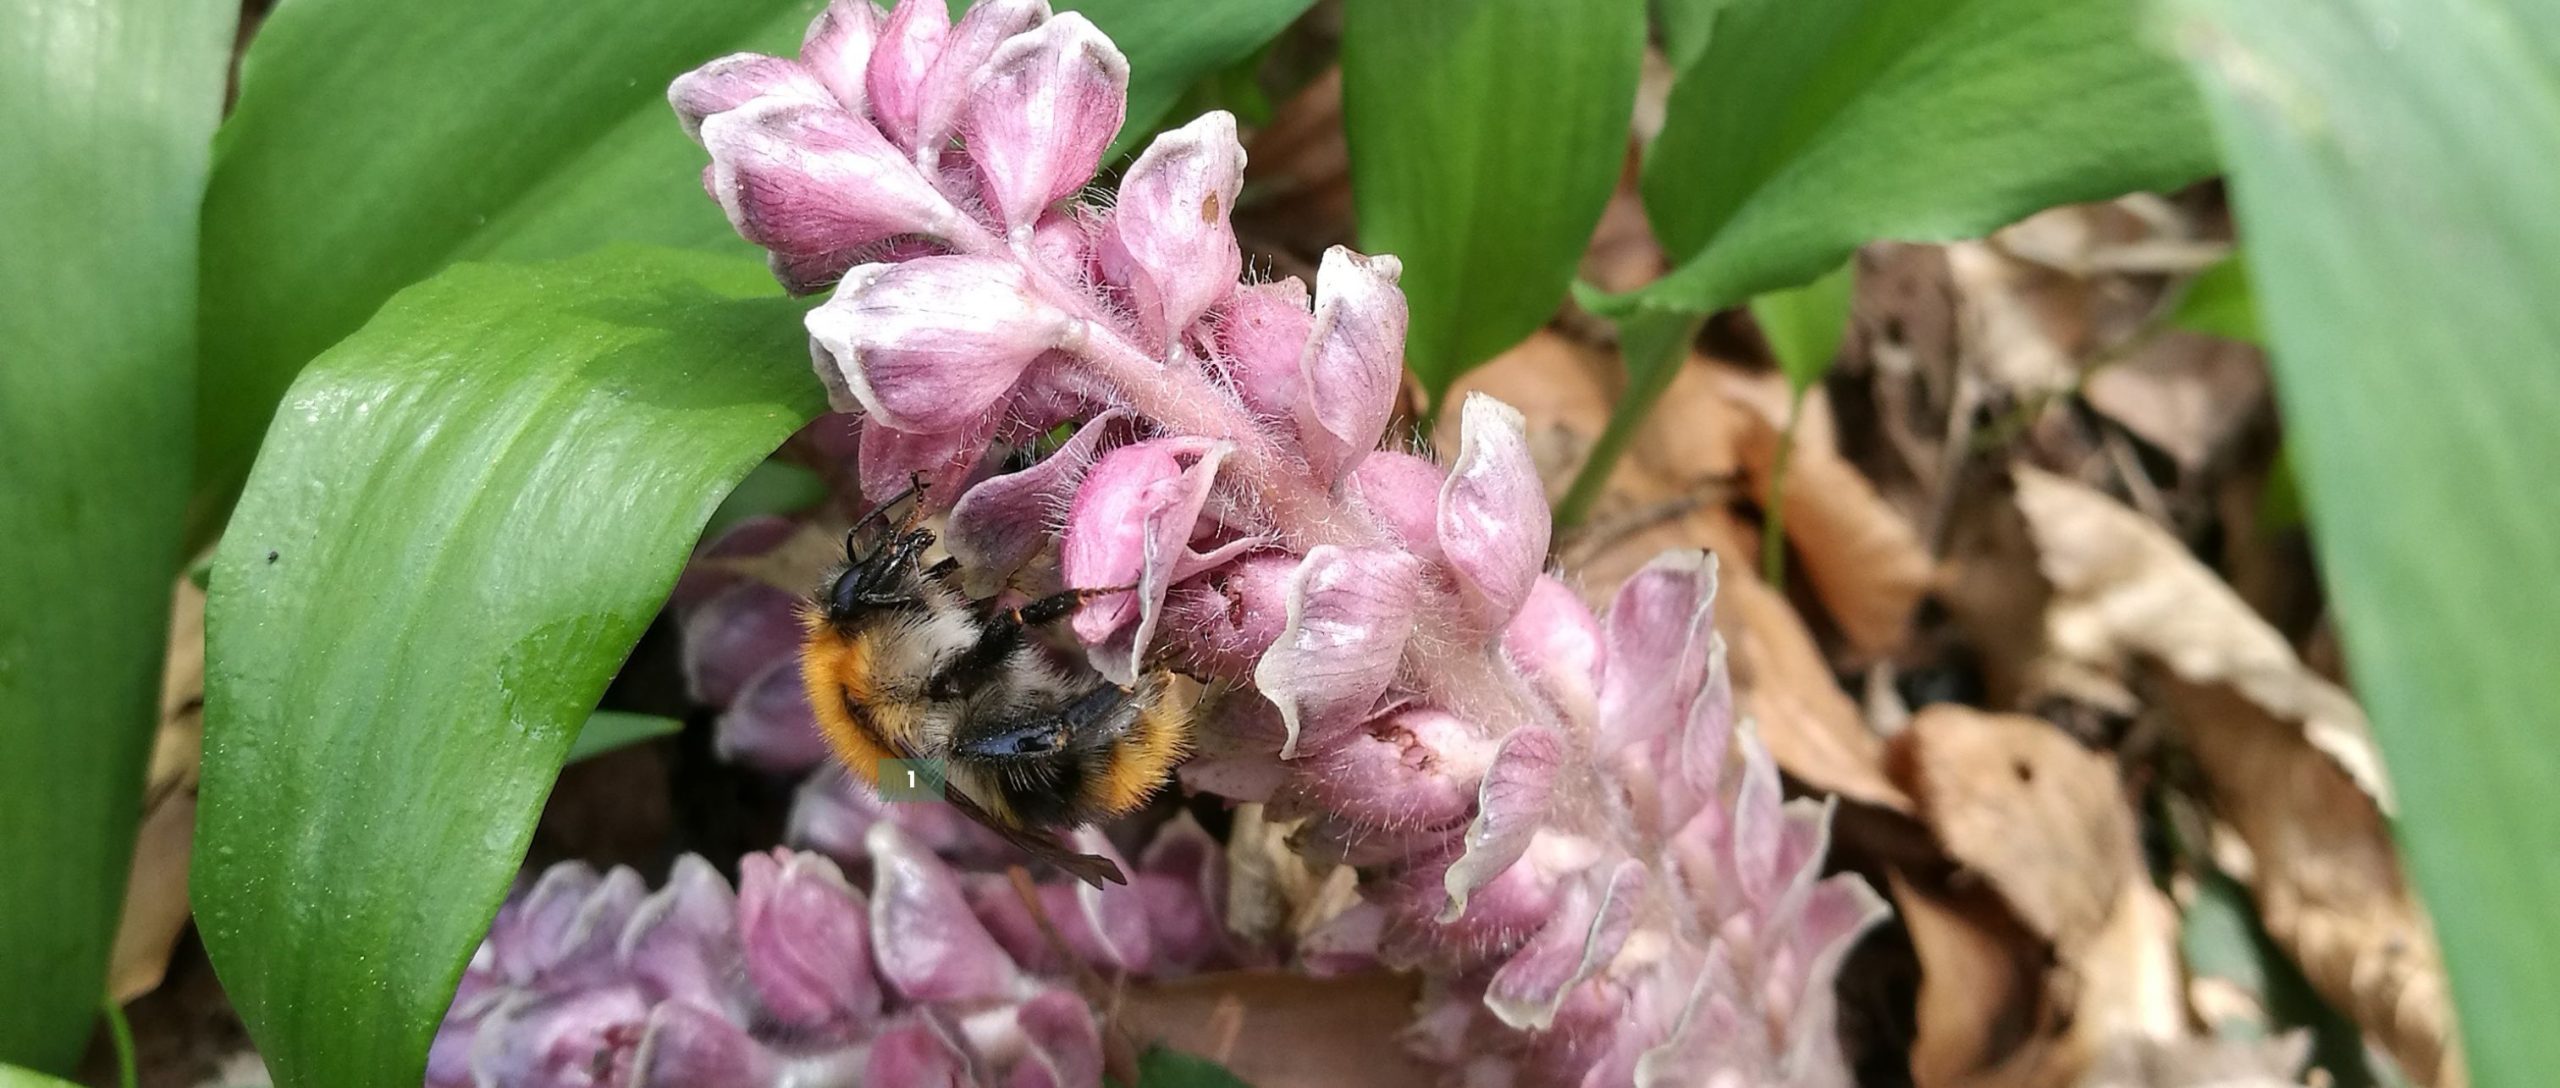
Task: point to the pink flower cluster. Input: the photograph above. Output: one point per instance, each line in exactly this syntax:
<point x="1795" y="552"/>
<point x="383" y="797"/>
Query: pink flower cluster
<point x="798" y="978"/>
<point x="1559" y="816"/>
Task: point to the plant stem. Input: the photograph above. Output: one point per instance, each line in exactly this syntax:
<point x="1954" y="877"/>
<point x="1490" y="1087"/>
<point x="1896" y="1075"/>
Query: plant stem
<point x="128" y="1073"/>
<point x="1652" y="346"/>
<point x="1773" y="517"/>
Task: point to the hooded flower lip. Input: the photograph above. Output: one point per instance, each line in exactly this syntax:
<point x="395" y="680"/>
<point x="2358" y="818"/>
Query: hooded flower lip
<point x="893" y="82"/>
<point x="956" y="72"/>
<point x="1512" y="804"/>
<point x="1005" y="521"/>
<point x="808" y="179"/>
<point x="1133" y="523"/>
<point x="837" y="50"/>
<point x="1350" y="612"/>
<point x="808" y="948"/>
<point x="931" y="345"/>
<point x="1353" y="362"/>
<point x="1169" y="241"/>
<point x="1047" y="105"/>
<point x="735" y="80"/>
<point x="1493" y="522"/>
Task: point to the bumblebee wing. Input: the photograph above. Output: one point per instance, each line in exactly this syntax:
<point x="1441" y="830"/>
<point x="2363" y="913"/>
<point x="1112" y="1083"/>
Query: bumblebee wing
<point x="1091" y="868"/>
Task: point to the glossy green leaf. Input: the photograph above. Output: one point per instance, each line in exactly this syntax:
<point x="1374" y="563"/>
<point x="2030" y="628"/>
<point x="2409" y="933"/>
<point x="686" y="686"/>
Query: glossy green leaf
<point x="465" y="516"/>
<point x="2217" y="303"/>
<point x="1805" y="129"/>
<point x="607" y="730"/>
<point x="1485" y="138"/>
<point x="2391" y="164"/>
<point x="775" y="487"/>
<point x="1805" y="325"/>
<point x="373" y="144"/>
<point x="106" y="110"/>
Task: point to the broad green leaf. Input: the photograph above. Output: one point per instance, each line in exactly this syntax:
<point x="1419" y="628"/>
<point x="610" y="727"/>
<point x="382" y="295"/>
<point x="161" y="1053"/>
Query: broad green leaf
<point x="1485" y="137"/>
<point x="464" y="517"/>
<point x="106" y="111"/>
<point x="1806" y="129"/>
<point x="607" y="730"/>
<point x="373" y="144"/>
<point x="1686" y="25"/>
<point x="1165" y="1067"/>
<point x="2391" y="164"/>
<point x="14" y="1077"/>
<point x="1804" y="325"/>
<point x="2217" y="303"/>
<point x="775" y="487"/>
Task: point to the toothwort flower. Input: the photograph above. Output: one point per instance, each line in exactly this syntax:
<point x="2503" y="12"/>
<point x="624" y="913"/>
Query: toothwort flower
<point x="1557" y="813"/>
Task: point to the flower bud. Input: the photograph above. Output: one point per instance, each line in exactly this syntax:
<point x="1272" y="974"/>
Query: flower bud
<point x="1351" y="611"/>
<point x="1222" y="622"/>
<point x="1493" y="521"/>
<point x="1132" y="524"/>
<point x="808" y="950"/>
<point x="1169" y="240"/>
<point x="1402" y="492"/>
<point x="810" y="180"/>
<point x="1353" y="362"/>
<point x="958" y="68"/>
<point x="1260" y="336"/>
<point x="931" y="345"/>
<point x="735" y="80"/>
<point x="1598" y="914"/>
<point x="837" y="50"/>
<point x="1041" y="113"/>
<point x="1417" y="768"/>
<point x="909" y="43"/>
<point x="689" y="1047"/>
<point x="737" y="635"/>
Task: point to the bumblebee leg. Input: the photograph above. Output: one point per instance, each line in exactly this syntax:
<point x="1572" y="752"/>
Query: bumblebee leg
<point x="1057" y="606"/>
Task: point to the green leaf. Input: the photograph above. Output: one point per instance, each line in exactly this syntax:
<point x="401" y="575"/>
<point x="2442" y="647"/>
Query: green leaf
<point x="373" y="144"/>
<point x="607" y="730"/>
<point x="14" y="1077"/>
<point x="2218" y="303"/>
<point x="466" y="515"/>
<point x="2391" y="168"/>
<point x="1806" y="129"/>
<point x="1804" y="325"/>
<point x="1654" y="347"/>
<point x="106" y="108"/>
<point x="1165" y="1067"/>
<point x="1485" y="137"/>
<point x="775" y="487"/>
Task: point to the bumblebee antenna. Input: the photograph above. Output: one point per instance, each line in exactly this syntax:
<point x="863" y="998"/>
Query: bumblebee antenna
<point x="879" y="513"/>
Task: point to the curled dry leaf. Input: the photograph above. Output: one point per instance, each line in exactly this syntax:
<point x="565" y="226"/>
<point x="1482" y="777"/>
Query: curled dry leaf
<point x="2045" y="823"/>
<point x="1862" y="557"/>
<point x="155" y="898"/>
<point x="2287" y="754"/>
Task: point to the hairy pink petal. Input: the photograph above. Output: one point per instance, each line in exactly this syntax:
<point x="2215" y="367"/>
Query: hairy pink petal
<point x="1353" y="362"/>
<point x="1599" y="913"/>
<point x="1004" y="521"/>
<point x="1351" y="611"/>
<point x="1513" y="803"/>
<point x="812" y="180"/>
<point x="807" y="943"/>
<point x="1130" y="527"/>
<point x="917" y="1051"/>
<point x="1556" y="640"/>
<point x="909" y="43"/>
<point x="1222" y="622"/>
<point x="1658" y="630"/>
<point x="1402" y="492"/>
<point x="1416" y="768"/>
<point x="1493" y="512"/>
<point x="690" y="1047"/>
<point x="929" y="947"/>
<point x="1169" y="240"/>
<point x="1043" y="110"/>
<point x="735" y="80"/>
<point x="837" y="50"/>
<point x="958" y="69"/>
<point x="930" y="346"/>
<point x="1261" y="332"/>
<point x="1064" y="1047"/>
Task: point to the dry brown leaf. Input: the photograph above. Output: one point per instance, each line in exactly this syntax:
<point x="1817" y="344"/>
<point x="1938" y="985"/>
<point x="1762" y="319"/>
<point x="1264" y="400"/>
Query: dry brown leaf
<point x="155" y="898"/>
<point x="2201" y="1063"/>
<point x="1278" y="1030"/>
<point x="2046" y="824"/>
<point x="2288" y="755"/>
<point x="2184" y="392"/>
<point x="1275" y="896"/>
<point x="1982" y="1017"/>
<point x="1812" y="727"/>
<point x="1863" y="559"/>
<point x="1563" y="389"/>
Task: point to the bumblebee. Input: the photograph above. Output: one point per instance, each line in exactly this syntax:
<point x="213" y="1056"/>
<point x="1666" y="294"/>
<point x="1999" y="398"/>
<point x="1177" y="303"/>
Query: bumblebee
<point x="900" y="664"/>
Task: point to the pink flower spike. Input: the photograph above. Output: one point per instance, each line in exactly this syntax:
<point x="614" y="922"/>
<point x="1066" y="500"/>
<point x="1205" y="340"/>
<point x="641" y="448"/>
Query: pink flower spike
<point x="807" y="944"/>
<point x="1041" y="113"/>
<point x="1063" y="1047"/>
<point x="1170" y="241"/>
<point x="958" y="69"/>
<point x="1599" y="912"/>
<point x="917" y="1051"/>
<point x="690" y="1047"/>
<point x="1353" y="360"/>
<point x="1402" y="492"/>
<point x="808" y="180"/>
<point x="929" y="947"/>
<point x="909" y="43"/>
<point x="1261" y="334"/>
<point x="930" y="346"/>
<point x="1131" y="525"/>
<point x="837" y="49"/>
<point x="1418" y="768"/>
<point x="1658" y="627"/>
<point x="735" y="80"/>
<point x="1493" y="512"/>
<point x="1351" y="611"/>
<point x="1517" y="793"/>
<point x="1004" y="521"/>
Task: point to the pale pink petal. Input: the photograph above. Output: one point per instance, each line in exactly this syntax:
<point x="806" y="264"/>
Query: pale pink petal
<point x="689" y="1047"/>
<point x="1041" y="113"/>
<point x="931" y="345"/>
<point x="1658" y="629"/>
<point x="1402" y="492"/>
<point x="1130" y="528"/>
<point x="917" y="1052"/>
<point x="1493" y="512"/>
<point x="1221" y="623"/>
<point x="1004" y="521"/>
<point x="1064" y="1046"/>
<point x="812" y="180"/>
<point x="1418" y="768"/>
<point x="1351" y="611"/>
<point x="909" y="44"/>
<point x="837" y="49"/>
<point x="1169" y="240"/>
<point x="1353" y="362"/>
<point x="735" y="80"/>
<point x="1599" y="912"/>
<point x="1556" y="641"/>
<point x="808" y="943"/>
<point x="929" y="947"/>
<point x="682" y="941"/>
<point x="1262" y="330"/>
<point x="960" y="67"/>
<point x="1518" y="791"/>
